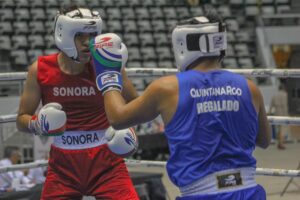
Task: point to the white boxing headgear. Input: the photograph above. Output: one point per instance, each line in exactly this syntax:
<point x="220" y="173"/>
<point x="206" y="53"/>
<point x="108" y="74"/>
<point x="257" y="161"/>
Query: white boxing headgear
<point x="198" y="37"/>
<point x="81" y="20"/>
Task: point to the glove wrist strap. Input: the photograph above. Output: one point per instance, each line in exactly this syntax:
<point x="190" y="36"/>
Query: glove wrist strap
<point x="110" y="80"/>
<point x="32" y="126"/>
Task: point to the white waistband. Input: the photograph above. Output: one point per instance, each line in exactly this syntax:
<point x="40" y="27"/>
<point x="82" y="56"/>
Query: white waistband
<point x="80" y="139"/>
<point x="232" y="180"/>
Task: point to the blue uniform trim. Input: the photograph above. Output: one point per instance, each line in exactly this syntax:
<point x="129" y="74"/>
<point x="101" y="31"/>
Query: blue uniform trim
<point x="257" y="193"/>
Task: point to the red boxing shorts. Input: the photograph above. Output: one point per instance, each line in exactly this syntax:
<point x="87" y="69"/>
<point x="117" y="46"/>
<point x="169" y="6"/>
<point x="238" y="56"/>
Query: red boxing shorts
<point x="91" y="172"/>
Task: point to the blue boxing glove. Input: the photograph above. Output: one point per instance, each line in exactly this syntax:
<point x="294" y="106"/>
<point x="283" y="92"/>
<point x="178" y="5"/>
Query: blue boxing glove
<point x="109" y="55"/>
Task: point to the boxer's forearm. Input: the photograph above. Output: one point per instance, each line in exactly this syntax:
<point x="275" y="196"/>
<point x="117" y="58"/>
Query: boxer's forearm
<point x="122" y="115"/>
<point x="114" y="109"/>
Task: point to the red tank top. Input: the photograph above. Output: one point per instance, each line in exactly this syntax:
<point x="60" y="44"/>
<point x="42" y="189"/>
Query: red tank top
<point x="78" y="94"/>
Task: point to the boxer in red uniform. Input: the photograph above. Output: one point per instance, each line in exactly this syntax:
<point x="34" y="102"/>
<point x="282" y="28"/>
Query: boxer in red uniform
<point x="80" y="162"/>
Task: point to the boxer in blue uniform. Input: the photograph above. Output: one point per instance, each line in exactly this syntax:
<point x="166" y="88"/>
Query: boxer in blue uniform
<point x="213" y="118"/>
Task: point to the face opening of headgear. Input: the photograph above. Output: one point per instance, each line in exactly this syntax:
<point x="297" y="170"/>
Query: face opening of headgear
<point x="198" y="38"/>
<point x="68" y="24"/>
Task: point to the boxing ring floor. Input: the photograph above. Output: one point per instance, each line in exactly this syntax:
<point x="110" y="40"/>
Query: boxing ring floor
<point x="269" y="158"/>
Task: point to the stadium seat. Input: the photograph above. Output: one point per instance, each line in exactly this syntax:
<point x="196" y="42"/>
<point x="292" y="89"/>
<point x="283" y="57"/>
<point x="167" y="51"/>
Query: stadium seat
<point x="63" y="3"/>
<point x="267" y="1"/>
<point x="38" y="14"/>
<point x="161" y="39"/>
<point x="144" y="26"/>
<point x="114" y="26"/>
<point x="50" y="51"/>
<point x="7" y="14"/>
<point x="150" y="64"/>
<point x="52" y="3"/>
<point x="104" y="27"/>
<point x="251" y="10"/>
<point x="148" y="54"/>
<point x="283" y="8"/>
<point x="113" y="13"/>
<point x="33" y="54"/>
<point x="158" y="25"/>
<point x="134" y="64"/>
<point x="268" y="10"/>
<point x="148" y="2"/>
<point x="36" y="42"/>
<point x="19" y="42"/>
<point x="101" y="11"/>
<point x="49" y="27"/>
<point x="245" y="63"/>
<point x="134" y="54"/>
<point x="171" y="24"/>
<point x="5" y="42"/>
<point x="133" y="3"/>
<point x="183" y="13"/>
<point x="131" y="39"/>
<point x="230" y="50"/>
<point x="165" y="64"/>
<point x="107" y="3"/>
<point x="93" y="4"/>
<point x="250" y="1"/>
<point x="6" y="28"/>
<point x="36" y="4"/>
<point x="170" y="13"/>
<point x="156" y="13"/>
<point x="22" y="14"/>
<point x="20" y="27"/>
<point x="164" y="53"/>
<point x="19" y="57"/>
<point x="51" y="13"/>
<point x="243" y="36"/>
<point x="161" y="2"/>
<point x="49" y="41"/>
<point x="236" y="2"/>
<point x="142" y="13"/>
<point x="21" y="3"/>
<point x="241" y="49"/>
<point x="129" y="26"/>
<point x="230" y="63"/>
<point x="224" y="11"/>
<point x="146" y="39"/>
<point x="79" y="2"/>
<point x="232" y="25"/>
<point x="230" y="36"/>
<point x="196" y="11"/>
<point x="128" y="13"/>
<point x="36" y="27"/>
<point x="7" y="4"/>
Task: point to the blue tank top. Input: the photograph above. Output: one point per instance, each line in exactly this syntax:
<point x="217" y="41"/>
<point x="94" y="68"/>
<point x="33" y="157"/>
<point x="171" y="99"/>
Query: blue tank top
<point x="214" y="127"/>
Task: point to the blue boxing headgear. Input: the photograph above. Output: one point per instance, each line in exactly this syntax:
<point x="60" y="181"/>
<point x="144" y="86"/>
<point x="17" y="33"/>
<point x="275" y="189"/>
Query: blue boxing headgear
<point x="196" y="38"/>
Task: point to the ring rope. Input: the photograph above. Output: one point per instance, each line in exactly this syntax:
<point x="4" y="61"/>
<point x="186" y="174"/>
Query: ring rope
<point x="146" y="72"/>
<point x="157" y="164"/>
<point x="279" y="120"/>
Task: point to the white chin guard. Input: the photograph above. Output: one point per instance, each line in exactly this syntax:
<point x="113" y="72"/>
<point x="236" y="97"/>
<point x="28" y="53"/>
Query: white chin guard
<point x="81" y="20"/>
<point x="192" y="41"/>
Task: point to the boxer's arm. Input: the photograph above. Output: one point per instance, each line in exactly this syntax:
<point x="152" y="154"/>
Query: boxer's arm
<point x="30" y="99"/>
<point x="160" y="97"/>
<point x="129" y="92"/>
<point x="264" y="131"/>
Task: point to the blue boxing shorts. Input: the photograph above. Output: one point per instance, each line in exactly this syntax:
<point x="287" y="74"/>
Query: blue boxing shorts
<point x="254" y="193"/>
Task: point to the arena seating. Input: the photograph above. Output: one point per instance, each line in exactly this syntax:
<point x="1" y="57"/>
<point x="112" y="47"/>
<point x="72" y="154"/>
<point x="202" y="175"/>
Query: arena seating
<point x="26" y="27"/>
